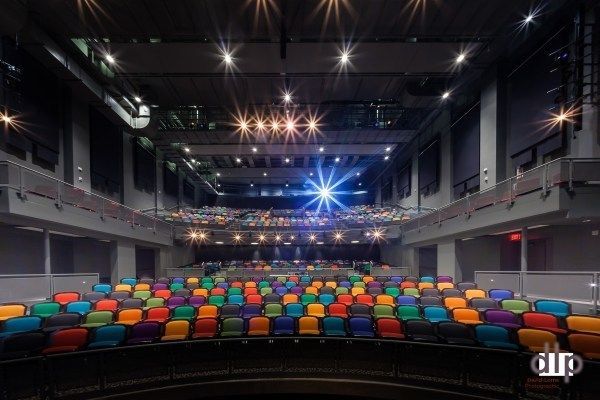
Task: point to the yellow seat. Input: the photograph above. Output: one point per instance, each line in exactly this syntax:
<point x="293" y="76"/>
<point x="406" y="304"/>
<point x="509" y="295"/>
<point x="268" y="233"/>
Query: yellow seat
<point x="311" y="290"/>
<point x="141" y="286"/>
<point x="331" y="284"/>
<point x="12" y="310"/>
<point x="208" y="311"/>
<point x="129" y="316"/>
<point x="317" y="284"/>
<point x="122" y="287"/>
<point x="192" y="280"/>
<point x="308" y="326"/>
<point x="536" y="339"/>
<point x="367" y="279"/>
<point x="310" y="267"/>
<point x="176" y="330"/>
<point x="259" y="326"/>
<point x="455" y="302"/>
<point x="445" y="285"/>
<point x="425" y="285"/>
<point x="315" y="310"/>
<point x="357" y="290"/>
<point x="200" y="292"/>
<point x="289" y="298"/>
<point x="475" y="294"/>
<point x="583" y="323"/>
<point x="468" y="316"/>
<point x="384" y="299"/>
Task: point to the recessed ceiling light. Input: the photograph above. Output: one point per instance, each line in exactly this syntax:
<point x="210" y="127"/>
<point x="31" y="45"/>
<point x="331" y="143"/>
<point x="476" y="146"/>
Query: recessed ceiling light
<point x="287" y="160"/>
<point x="264" y="174"/>
<point x="110" y="59"/>
<point x="290" y="125"/>
<point x="358" y="174"/>
<point x="337" y="159"/>
<point x="227" y="58"/>
<point x="321" y="149"/>
<point x="6" y="119"/>
<point x="445" y="95"/>
<point x="460" y="58"/>
<point x="287" y="97"/>
<point x="345" y="57"/>
<point x="254" y="149"/>
<point x="137" y="99"/>
<point x="186" y="149"/>
<point x="193" y="160"/>
<point x="252" y="185"/>
<point x="359" y="183"/>
<point x="287" y="185"/>
<point x="386" y="158"/>
<point x="238" y="160"/>
<point x="388" y="148"/>
<point x="310" y="174"/>
<point x="218" y="185"/>
<point x="587" y="220"/>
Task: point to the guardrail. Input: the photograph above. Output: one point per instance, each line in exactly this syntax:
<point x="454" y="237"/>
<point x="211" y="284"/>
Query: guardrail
<point x="28" y="182"/>
<point x="563" y="171"/>
<point x="579" y="288"/>
<point x="30" y="288"/>
<point x="271" y="365"/>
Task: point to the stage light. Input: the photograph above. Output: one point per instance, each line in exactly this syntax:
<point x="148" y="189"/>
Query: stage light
<point x="345" y="57"/>
<point x="388" y="148"/>
<point x="227" y="58"/>
<point x="186" y="149"/>
<point x="192" y="160"/>
<point x="358" y="174"/>
<point x="110" y="59"/>
<point x="137" y="99"/>
<point x="287" y="97"/>
<point x="321" y="149"/>
<point x="310" y="174"/>
<point x="386" y="158"/>
<point x="445" y="95"/>
<point x="528" y="19"/>
<point x="324" y="192"/>
<point x="260" y="125"/>
<point x="237" y="237"/>
<point x="218" y="174"/>
<point x="292" y="237"/>
<point x="312" y="125"/>
<point x="290" y="125"/>
<point x="376" y="234"/>
<point x="287" y="185"/>
<point x="461" y="57"/>
<point x="312" y="237"/>
<point x="359" y="183"/>
<point x="287" y="160"/>
<point x="262" y="237"/>
<point x="218" y="185"/>
<point x="277" y="238"/>
<point x="7" y="119"/>
<point x="251" y="184"/>
<point x="238" y="160"/>
<point x="337" y="159"/>
<point x="338" y="236"/>
<point x="264" y="174"/>
<point x="254" y="149"/>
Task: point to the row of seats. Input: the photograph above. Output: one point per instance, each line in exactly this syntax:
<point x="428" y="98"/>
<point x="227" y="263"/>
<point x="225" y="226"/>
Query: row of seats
<point x="107" y="336"/>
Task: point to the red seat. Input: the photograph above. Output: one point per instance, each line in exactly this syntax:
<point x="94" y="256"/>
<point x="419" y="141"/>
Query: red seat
<point x="65" y="297"/>
<point x="164" y="293"/>
<point x="544" y="321"/>
<point x="407" y="284"/>
<point x="346" y="299"/>
<point x="364" y="299"/>
<point x="254" y="299"/>
<point x="389" y="328"/>
<point x="205" y="328"/>
<point x="106" y="305"/>
<point x="66" y="340"/>
<point x="337" y="310"/>
<point x="250" y="291"/>
<point x="158" y="314"/>
<point x="217" y="291"/>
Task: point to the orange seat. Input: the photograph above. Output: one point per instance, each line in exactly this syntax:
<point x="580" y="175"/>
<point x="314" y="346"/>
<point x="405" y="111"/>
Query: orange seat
<point x="583" y="323"/>
<point x="475" y="294"/>
<point x="357" y="290"/>
<point x="455" y="302"/>
<point x="346" y="299"/>
<point x="466" y="316"/>
<point x="407" y="284"/>
<point x="208" y="311"/>
<point x="536" y="339"/>
<point x="12" y="310"/>
<point x="425" y="285"/>
<point x="289" y="298"/>
<point x="384" y="299"/>
<point x="106" y="305"/>
<point x="250" y="284"/>
<point x="158" y="314"/>
<point x="217" y="291"/>
<point x="331" y="284"/>
<point x="586" y="344"/>
<point x="122" y="287"/>
<point x="176" y="330"/>
<point x="308" y="326"/>
<point x="315" y="310"/>
<point x="293" y="279"/>
<point x="164" y="293"/>
<point x="250" y="290"/>
<point x="317" y="284"/>
<point x="367" y="279"/>
<point x="192" y="281"/>
<point x="129" y="316"/>
<point x="236" y="284"/>
<point x="65" y="297"/>
<point x="311" y="290"/>
<point x="259" y="326"/>
<point x="141" y="286"/>
<point x="445" y="285"/>
<point x="200" y="292"/>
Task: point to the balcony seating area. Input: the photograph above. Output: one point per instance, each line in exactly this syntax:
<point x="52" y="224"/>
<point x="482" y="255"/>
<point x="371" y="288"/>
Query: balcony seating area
<point x="425" y="309"/>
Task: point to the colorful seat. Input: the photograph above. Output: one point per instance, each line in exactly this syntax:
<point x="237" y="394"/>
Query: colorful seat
<point x="337" y="310"/>
<point x="583" y="323"/>
<point x="66" y="340"/>
<point x="516" y="306"/>
<point x="315" y="310"/>
<point x="586" y="344"/>
<point x="308" y="325"/>
<point x="62" y="298"/>
<point x="106" y="305"/>
<point x="95" y="319"/>
<point x="172" y="302"/>
<point x="408" y="312"/>
<point x="294" y="310"/>
<point x="144" y="332"/>
<point x="283" y="325"/>
<point x="237" y="299"/>
<point x="436" y="314"/>
<point x="129" y="316"/>
<point x="217" y="300"/>
<point x="333" y="326"/>
<point x="555" y="307"/>
<point x="122" y="287"/>
<point x="539" y="320"/>
<point x="160" y="302"/>
<point x="205" y="328"/>
<point x="501" y="294"/>
<point x="534" y="340"/>
<point x="406" y="300"/>
<point x="158" y="314"/>
<point x="15" y="325"/>
<point x="176" y="330"/>
<point x="326" y="299"/>
<point x="469" y="316"/>
<point x="494" y="336"/>
<point x="411" y="292"/>
<point x="107" y="336"/>
<point x="102" y="287"/>
<point x="308" y="298"/>
<point x="259" y="326"/>
<point x="364" y="299"/>
<point x="389" y="328"/>
<point x="273" y="310"/>
<point x="455" y="302"/>
<point x="385" y="299"/>
<point x="383" y="311"/>
<point x="360" y="327"/>
<point x="142" y="294"/>
<point x="251" y="310"/>
<point x="504" y="318"/>
<point x="475" y="293"/>
<point x="44" y="310"/>
<point x="183" y="312"/>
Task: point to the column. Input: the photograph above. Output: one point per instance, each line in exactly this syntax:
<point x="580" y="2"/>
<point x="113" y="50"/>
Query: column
<point x="122" y="260"/>
<point x="47" y="265"/>
<point x="164" y="259"/>
<point x="410" y="258"/>
<point x="488" y="134"/>
<point x="447" y="263"/>
<point x="524" y="249"/>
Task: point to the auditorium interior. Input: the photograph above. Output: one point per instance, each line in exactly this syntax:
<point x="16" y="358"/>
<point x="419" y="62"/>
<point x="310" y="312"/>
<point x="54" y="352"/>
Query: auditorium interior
<point x="362" y="199"/>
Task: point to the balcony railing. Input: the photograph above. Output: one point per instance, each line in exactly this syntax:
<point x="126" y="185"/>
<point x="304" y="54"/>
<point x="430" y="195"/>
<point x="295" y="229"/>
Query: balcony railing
<point x="28" y="182"/>
<point x="567" y="172"/>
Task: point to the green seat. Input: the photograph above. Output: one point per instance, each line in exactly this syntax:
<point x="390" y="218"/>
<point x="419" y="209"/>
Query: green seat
<point x="234" y="290"/>
<point x="176" y="286"/>
<point x="232" y="327"/>
<point x="94" y="319"/>
<point x="266" y="290"/>
<point x="282" y="279"/>
<point x="392" y="291"/>
<point x="206" y="279"/>
<point x="184" y="312"/>
<point x="216" y="300"/>
<point x="359" y="284"/>
<point x="341" y="290"/>
<point x="383" y="311"/>
<point x="155" y="302"/>
<point x="263" y="284"/>
<point x="44" y="310"/>
<point x="219" y="279"/>
<point x="411" y="292"/>
<point x="208" y="285"/>
<point x="142" y="294"/>
<point x="406" y="312"/>
<point x="516" y="306"/>
<point x="273" y="310"/>
<point x="308" y="298"/>
<point x="355" y="278"/>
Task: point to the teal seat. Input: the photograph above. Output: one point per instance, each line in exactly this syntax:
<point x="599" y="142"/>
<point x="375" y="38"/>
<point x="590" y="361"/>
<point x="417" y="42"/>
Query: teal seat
<point x="176" y="286"/>
<point x="334" y="326"/>
<point x="44" y="310"/>
<point x="408" y="312"/>
<point x="429" y="279"/>
<point x="102" y="287"/>
<point x="326" y="299"/>
<point x="234" y="290"/>
<point x="494" y="336"/>
<point x="554" y="307"/>
<point x="305" y="278"/>
<point x="235" y="299"/>
<point x="308" y="298"/>
<point x="392" y="291"/>
<point x="19" y="325"/>
<point x="108" y="336"/>
<point x="290" y="284"/>
<point x="184" y="312"/>
<point x="216" y="300"/>
<point x="129" y="281"/>
<point x="436" y="314"/>
<point x="295" y="310"/>
<point x="80" y="307"/>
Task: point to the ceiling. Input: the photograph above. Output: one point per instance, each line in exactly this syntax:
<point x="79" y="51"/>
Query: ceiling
<point x="401" y="58"/>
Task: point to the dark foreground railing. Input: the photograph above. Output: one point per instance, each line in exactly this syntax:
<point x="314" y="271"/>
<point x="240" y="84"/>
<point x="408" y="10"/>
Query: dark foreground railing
<point x="222" y="367"/>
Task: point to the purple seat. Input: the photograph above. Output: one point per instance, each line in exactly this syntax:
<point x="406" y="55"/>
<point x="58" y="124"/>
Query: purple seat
<point x="196" y="301"/>
<point x="144" y="332"/>
<point x="405" y="299"/>
<point x="223" y="285"/>
<point x="397" y="279"/>
<point x="444" y="279"/>
<point x="503" y="318"/>
<point x="281" y="290"/>
<point x="175" y="301"/>
<point x="251" y="310"/>
<point x="276" y="284"/>
<point x="296" y="290"/>
<point x="160" y="286"/>
<point x="374" y="284"/>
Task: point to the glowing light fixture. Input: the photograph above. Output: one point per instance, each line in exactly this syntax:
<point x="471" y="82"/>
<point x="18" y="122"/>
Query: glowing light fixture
<point x="186" y="149"/>
<point x="312" y="237"/>
<point x="337" y="159"/>
<point x="358" y="174"/>
<point x="287" y="160"/>
<point x="254" y="149"/>
<point x="137" y="99"/>
<point x="238" y="160"/>
<point x="529" y="18"/>
<point x="445" y="95"/>
<point x="461" y="57"/>
<point x="321" y="149"/>
<point x="227" y="58"/>
<point x="218" y="174"/>
<point x="310" y="174"/>
<point x="388" y="148"/>
<point x="345" y="57"/>
<point x="110" y="59"/>
<point x="287" y="97"/>
<point x="386" y="158"/>
<point x="264" y="174"/>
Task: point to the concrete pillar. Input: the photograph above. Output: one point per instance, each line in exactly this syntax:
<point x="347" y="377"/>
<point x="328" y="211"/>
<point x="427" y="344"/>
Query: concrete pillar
<point x="164" y="259"/>
<point x="447" y="263"/>
<point x="524" y="249"/>
<point x="378" y="193"/>
<point x="122" y="260"/>
<point x="488" y="135"/>
<point x="77" y="144"/>
<point x="47" y="264"/>
<point x="410" y="258"/>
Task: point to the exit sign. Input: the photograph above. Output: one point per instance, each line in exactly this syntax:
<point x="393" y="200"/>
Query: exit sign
<point x="514" y="237"/>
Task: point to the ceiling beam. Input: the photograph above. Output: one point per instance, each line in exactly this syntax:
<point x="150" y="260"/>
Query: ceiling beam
<point x="289" y="149"/>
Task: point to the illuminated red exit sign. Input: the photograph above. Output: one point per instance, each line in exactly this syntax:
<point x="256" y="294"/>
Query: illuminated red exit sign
<point x="514" y="237"/>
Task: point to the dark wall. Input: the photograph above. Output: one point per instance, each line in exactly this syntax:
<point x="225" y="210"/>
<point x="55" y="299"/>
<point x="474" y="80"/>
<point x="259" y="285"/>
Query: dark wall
<point x="266" y="202"/>
<point x="106" y="149"/>
<point x="465" y="152"/>
<point x="429" y="171"/>
<point x="344" y="252"/>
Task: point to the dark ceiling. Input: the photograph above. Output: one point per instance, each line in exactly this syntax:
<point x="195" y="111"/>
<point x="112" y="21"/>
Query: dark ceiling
<point x="171" y="52"/>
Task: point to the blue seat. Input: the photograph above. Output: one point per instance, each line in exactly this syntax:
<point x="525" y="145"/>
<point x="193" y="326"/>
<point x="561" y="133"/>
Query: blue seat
<point x="281" y="290"/>
<point x="326" y="299"/>
<point x="397" y="279"/>
<point x="223" y="285"/>
<point x="345" y="284"/>
<point x="429" y="279"/>
<point x="405" y="299"/>
<point x="501" y="294"/>
<point x="436" y="314"/>
<point x="283" y="325"/>
<point x="251" y="310"/>
<point x="129" y="281"/>
<point x="80" y="307"/>
<point x="305" y="278"/>
<point x="108" y="336"/>
<point x="554" y="307"/>
<point x="290" y="284"/>
<point x="361" y="327"/>
<point x="295" y="310"/>
<point x="178" y="280"/>
<point x="102" y="287"/>
<point x="19" y="325"/>
<point x="334" y="326"/>
<point x="494" y="336"/>
<point x="235" y="299"/>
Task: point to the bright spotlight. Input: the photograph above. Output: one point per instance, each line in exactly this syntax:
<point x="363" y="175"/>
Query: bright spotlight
<point x="287" y="160"/>
<point x="358" y="174"/>
<point x="345" y="57"/>
<point x="254" y="149"/>
<point x="376" y="234"/>
<point x="278" y="238"/>
<point x="7" y="119"/>
<point x="461" y="57"/>
<point x="359" y="183"/>
<point x="324" y="192"/>
<point x="528" y="19"/>
<point x="137" y="99"/>
<point x="388" y="148"/>
<point x="251" y="184"/>
<point x="321" y="149"/>
<point x="310" y="174"/>
<point x="445" y="95"/>
<point x="312" y="237"/>
<point x="110" y="59"/>
<point x="218" y="174"/>
<point x="287" y="97"/>
<point x="186" y="149"/>
<point x="237" y="237"/>
<point x="337" y="159"/>
<point x="227" y="58"/>
<point x="260" y="125"/>
<point x="264" y="174"/>
<point x="290" y="125"/>
<point x="386" y="158"/>
<point x="238" y="160"/>
<point x="262" y="237"/>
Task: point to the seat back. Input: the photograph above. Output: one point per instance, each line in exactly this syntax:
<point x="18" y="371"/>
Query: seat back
<point x="259" y="326"/>
<point x="21" y="324"/>
<point x="179" y="328"/>
<point x="383" y="311"/>
<point x="338" y="310"/>
<point x="232" y="327"/>
<point x="475" y="293"/>
<point x="109" y="333"/>
<point x="45" y="309"/>
<point x="516" y="306"/>
<point x="308" y="325"/>
<point x="206" y="327"/>
<point x="315" y="309"/>
<point x="160" y="301"/>
<point x="142" y="294"/>
<point x="492" y="333"/>
<point x="69" y="337"/>
<point x="102" y="287"/>
<point x="129" y="315"/>
<point x="483" y="304"/>
<point x="65" y="297"/>
<point x="360" y="310"/>
<point x="583" y="323"/>
<point x="184" y="312"/>
<point x="430" y="301"/>
<point x="364" y="299"/>
<point x="145" y="330"/>
<point x="283" y="325"/>
<point x="132" y="303"/>
<point x="444" y="285"/>
<point x="455" y="302"/>
<point x="586" y="344"/>
<point x="454" y="330"/>
<point x="435" y="313"/>
<point x="535" y="339"/>
<point x="406" y="300"/>
<point x="230" y="310"/>
<point x="389" y="328"/>
<point x="555" y="307"/>
<point x="407" y="312"/>
<point x="466" y="315"/>
<point x="360" y="327"/>
<point x="540" y="320"/>
<point x="63" y="320"/>
<point x="294" y="310"/>
<point x="159" y="314"/>
<point x="501" y="294"/>
<point x="106" y="305"/>
<point x="99" y="317"/>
